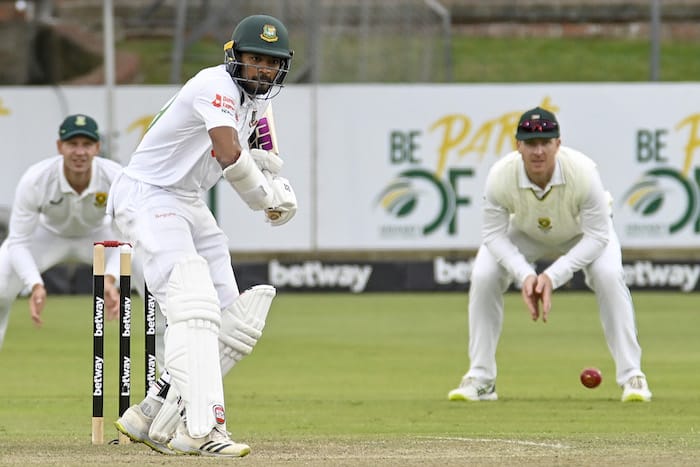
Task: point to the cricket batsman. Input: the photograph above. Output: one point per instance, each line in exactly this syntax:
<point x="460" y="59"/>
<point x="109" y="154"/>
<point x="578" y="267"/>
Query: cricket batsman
<point x="199" y="136"/>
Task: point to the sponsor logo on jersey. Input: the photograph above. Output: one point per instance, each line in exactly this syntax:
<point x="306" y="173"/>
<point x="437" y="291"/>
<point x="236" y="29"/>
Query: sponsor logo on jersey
<point x="223" y="102"/>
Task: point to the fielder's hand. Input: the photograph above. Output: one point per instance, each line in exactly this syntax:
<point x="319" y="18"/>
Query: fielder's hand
<point x="537" y="289"/>
<point x="36" y="303"/>
<point x="267" y="161"/>
<point x="284" y="204"/>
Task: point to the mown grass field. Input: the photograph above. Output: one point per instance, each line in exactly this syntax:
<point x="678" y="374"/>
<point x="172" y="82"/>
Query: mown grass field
<point x="362" y="380"/>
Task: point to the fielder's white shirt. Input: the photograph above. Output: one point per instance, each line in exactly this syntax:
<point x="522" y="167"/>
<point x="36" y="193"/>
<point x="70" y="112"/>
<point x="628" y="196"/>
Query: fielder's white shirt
<point x="570" y="215"/>
<point x="44" y="197"/>
<point x="175" y="152"/>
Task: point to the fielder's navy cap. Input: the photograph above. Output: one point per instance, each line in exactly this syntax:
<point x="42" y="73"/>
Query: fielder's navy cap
<point x="78" y="125"/>
<point x="537" y="123"/>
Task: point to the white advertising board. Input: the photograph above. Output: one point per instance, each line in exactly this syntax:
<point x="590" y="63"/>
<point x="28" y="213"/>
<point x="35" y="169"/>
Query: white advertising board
<point x="412" y="160"/>
<point x="401" y="167"/>
<point x="30" y="117"/>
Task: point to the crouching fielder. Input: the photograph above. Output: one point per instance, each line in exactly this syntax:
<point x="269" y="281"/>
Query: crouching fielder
<point x="542" y="200"/>
<point x="200" y="136"/>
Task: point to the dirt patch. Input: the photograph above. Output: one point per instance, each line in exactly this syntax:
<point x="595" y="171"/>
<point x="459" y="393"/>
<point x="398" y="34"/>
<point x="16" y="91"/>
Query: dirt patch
<point x="418" y="451"/>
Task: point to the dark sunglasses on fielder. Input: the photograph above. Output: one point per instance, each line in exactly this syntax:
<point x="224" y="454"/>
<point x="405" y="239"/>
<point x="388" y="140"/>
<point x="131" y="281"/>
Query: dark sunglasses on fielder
<point x="539" y="125"/>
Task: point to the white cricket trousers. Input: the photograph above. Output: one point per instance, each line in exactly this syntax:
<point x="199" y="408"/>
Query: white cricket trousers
<point x="605" y="276"/>
<point x="48" y="249"/>
<point x="165" y="227"/>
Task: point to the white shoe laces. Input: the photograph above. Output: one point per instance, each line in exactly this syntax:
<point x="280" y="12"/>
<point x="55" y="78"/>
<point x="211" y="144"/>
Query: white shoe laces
<point x="220" y="435"/>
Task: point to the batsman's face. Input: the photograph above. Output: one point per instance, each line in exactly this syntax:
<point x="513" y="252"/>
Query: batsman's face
<point x="259" y="72"/>
<point x="539" y="156"/>
<point x="78" y="153"/>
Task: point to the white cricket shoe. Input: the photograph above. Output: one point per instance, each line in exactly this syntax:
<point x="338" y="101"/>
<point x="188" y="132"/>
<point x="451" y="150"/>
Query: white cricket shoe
<point x="217" y="443"/>
<point x="636" y="390"/>
<point x="135" y="424"/>
<point x="471" y="389"/>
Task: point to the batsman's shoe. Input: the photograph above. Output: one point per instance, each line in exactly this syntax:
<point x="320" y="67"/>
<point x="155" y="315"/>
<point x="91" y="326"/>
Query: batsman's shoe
<point x="218" y="444"/>
<point x="135" y="424"/>
<point x="471" y="389"/>
<point x="636" y="390"/>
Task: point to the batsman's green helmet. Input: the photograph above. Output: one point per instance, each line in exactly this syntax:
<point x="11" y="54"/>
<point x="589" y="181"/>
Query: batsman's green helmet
<point x="262" y="34"/>
<point x="259" y="34"/>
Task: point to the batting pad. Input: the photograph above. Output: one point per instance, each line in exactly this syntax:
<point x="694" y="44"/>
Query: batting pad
<point x="249" y="182"/>
<point x="191" y="344"/>
<point x="242" y="324"/>
<point x="166" y="420"/>
<point x="241" y="328"/>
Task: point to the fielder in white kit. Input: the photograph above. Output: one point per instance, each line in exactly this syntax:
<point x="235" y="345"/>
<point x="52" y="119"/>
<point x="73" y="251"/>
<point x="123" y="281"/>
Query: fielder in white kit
<point x="547" y="199"/>
<point x="59" y="210"/>
<point x="200" y="135"/>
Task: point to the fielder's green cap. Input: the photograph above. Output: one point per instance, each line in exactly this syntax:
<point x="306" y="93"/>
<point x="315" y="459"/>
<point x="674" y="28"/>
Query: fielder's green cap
<point x="78" y="125"/>
<point x="537" y="123"/>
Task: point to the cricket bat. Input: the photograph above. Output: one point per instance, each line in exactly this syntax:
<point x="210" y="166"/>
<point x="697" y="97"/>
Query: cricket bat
<point x="265" y="134"/>
<point x="265" y="137"/>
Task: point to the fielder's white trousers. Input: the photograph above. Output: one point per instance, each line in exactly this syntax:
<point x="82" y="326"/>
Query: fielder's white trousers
<point x="48" y="249"/>
<point x="605" y="276"/>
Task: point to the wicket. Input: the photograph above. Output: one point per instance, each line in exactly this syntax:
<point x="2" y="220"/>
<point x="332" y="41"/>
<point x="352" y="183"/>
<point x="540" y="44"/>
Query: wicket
<point x="98" y="277"/>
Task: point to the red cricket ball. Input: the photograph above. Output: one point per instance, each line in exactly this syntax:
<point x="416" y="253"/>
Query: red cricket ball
<point x="591" y="377"/>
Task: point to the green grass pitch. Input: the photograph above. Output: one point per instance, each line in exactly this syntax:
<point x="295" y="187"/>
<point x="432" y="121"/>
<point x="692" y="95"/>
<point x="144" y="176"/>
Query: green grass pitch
<point x="341" y="379"/>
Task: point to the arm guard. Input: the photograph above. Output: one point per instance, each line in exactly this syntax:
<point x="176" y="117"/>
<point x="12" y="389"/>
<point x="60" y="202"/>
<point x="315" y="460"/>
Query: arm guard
<point x="249" y="182"/>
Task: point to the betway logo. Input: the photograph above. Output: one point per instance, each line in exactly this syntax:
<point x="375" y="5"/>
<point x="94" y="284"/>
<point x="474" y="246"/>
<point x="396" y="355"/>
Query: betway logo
<point x="98" y="376"/>
<point x="647" y="274"/>
<point x="316" y="274"/>
<point x="446" y="272"/>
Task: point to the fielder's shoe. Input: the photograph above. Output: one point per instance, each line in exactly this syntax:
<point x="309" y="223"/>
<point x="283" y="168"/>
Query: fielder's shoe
<point x="636" y="390"/>
<point x="135" y="424"/>
<point x="217" y="443"/>
<point x="471" y="389"/>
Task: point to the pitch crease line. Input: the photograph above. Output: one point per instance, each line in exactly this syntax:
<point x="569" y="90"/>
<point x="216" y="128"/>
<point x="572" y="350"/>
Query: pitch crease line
<point x="495" y="440"/>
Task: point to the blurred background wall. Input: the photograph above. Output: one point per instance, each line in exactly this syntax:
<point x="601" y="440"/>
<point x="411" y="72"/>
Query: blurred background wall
<point x="434" y="60"/>
<point x="50" y="41"/>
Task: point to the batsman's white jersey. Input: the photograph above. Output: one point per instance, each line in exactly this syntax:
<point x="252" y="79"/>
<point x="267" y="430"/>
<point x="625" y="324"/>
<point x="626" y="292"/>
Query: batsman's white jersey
<point x="50" y="224"/>
<point x="171" y="170"/>
<point x="175" y="152"/>
<point x="570" y="219"/>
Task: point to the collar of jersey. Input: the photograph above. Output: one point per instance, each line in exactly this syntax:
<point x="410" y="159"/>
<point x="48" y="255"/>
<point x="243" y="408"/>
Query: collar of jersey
<point x="65" y="186"/>
<point x="525" y="183"/>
